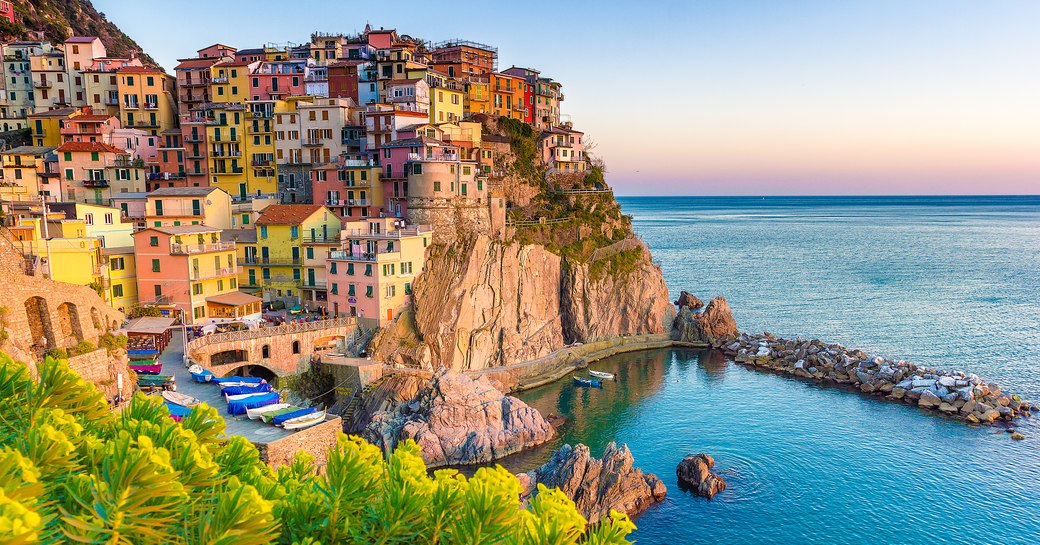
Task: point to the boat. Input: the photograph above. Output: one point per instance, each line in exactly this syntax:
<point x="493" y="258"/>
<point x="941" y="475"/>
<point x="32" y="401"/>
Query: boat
<point x="304" y="421"/>
<point x="267" y="417"/>
<point x="283" y="418"/>
<point x="254" y="414"/>
<point x="251" y="389"/>
<point x="146" y="369"/>
<point x="157" y="381"/>
<point x="602" y="375"/>
<point x="239" y="397"/>
<point x="239" y="407"/>
<point x="184" y="400"/>
<point x="249" y="380"/>
<point x="587" y="382"/>
<point x="177" y="412"/>
<point x="200" y="374"/>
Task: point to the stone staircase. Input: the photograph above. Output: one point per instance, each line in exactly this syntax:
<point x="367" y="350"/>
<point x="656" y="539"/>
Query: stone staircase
<point x="357" y="398"/>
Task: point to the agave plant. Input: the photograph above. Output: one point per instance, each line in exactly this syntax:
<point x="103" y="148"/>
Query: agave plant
<point x="72" y="471"/>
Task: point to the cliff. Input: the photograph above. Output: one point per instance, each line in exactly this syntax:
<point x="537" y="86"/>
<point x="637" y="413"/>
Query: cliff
<point x="57" y="20"/>
<point x="486" y="303"/>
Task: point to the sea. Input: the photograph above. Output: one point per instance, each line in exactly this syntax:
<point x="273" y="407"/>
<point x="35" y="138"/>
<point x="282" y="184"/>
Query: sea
<point x="950" y="282"/>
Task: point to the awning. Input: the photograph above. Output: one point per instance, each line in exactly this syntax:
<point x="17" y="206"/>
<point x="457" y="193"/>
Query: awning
<point x="234" y="299"/>
<point x="149" y="325"/>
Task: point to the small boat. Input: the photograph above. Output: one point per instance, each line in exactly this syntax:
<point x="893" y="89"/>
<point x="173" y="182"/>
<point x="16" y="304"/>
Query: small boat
<point x="250" y="389"/>
<point x="200" y="374"/>
<point x="267" y="417"/>
<point x="146" y="369"/>
<point x="239" y="397"/>
<point x="184" y="400"/>
<point x="304" y="421"/>
<point x="602" y="375"/>
<point x="177" y="412"/>
<point x="587" y="382"/>
<point x="255" y="414"/>
<point x="152" y="381"/>
<point x="283" y="418"/>
<point x="238" y="407"/>
<point x="248" y="380"/>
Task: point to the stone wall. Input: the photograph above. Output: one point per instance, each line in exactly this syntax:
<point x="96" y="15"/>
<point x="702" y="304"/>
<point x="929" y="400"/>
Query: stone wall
<point x="316" y="441"/>
<point x="103" y="369"/>
<point x="284" y="350"/>
<point x="457" y="218"/>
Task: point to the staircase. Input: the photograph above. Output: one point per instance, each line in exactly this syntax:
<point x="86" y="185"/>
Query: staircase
<point x="357" y="398"/>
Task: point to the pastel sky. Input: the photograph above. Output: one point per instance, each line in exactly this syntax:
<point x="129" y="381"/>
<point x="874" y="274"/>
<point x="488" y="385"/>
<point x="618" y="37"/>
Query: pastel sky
<point x="727" y="97"/>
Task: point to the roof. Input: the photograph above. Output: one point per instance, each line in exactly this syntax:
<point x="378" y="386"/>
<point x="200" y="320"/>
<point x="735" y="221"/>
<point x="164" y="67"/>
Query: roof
<point x="183" y="191"/>
<point x="180" y="229"/>
<point x="82" y="39"/>
<point x="189" y="64"/>
<point x="89" y="146"/>
<point x="129" y="195"/>
<point x="117" y="250"/>
<point x="140" y="70"/>
<point x="286" y="214"/>
<point x="412" y="142"/>
<point x="149" y="324"/>
<point x="239" y="235"/>
<point x="59" y="112"/>
<point x="29" y="150"/>
<point x="250" y="51"/>
<point x="233" y="299"/>
<point x="92" y="118"/>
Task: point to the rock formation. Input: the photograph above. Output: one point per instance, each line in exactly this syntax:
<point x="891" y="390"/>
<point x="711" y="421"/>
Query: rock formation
<point x="695" y="471"/>
<point x="954" y="393"/>
<point x="713" y="326"/>
<point x="689" y="300"/>
<point x="597" y="485"/>
<point x="460" y="420"/>
<point x="486" y="303"/>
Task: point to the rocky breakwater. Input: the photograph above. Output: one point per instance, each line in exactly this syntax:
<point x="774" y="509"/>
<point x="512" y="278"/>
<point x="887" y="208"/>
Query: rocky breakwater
<point x="597" y="485"/>
<point x="460" y="420"/>
<point x="694" y="471"/>
<point x="714" y="326"/>
<point x="957" y="394"/>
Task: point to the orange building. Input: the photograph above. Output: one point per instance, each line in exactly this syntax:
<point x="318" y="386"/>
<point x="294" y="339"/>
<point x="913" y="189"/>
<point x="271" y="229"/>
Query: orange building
<point x="507" y="96"/>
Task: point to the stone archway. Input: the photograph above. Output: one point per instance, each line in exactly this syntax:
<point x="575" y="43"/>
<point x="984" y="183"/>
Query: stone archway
<point x="228" y="356"/>
<point x="39" y="319"/>
<point x="68" y="319"/>
<point x="254" y="370"/>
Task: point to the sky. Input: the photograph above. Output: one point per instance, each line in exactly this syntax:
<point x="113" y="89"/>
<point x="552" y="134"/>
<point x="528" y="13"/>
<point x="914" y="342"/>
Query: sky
<point x="727" y="97"/>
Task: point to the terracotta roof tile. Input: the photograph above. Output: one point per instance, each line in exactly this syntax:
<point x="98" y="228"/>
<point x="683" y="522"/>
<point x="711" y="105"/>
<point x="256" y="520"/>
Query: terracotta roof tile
<point x="88" y="146"/>
<point x="286" y="214"/>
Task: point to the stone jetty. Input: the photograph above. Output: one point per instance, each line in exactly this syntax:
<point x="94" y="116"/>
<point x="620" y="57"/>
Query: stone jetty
<point x="597" y="485"/>
<point x="957" y="394"/>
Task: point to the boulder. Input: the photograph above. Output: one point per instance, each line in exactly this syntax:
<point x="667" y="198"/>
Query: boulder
<point x="688" y="300"/>
<point x="597" y="485"/>
<point x="712" y="326"/>
<point x="695" y="471"/>
<point x="928" y="399"/>
<point x="460" y="420"/>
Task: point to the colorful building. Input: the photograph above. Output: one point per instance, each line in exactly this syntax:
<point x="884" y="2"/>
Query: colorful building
<point x="292" y="243"/>
<point x="119" y="277"/>
<point x="147" y="99"/>
<point x="463" y="58"/>
<point x="94" y="172"/>
<point x="371" y="276"/>
<point x="101" y="84"/>
<point x="175" y="206"/>
<point x="30" y="173"/>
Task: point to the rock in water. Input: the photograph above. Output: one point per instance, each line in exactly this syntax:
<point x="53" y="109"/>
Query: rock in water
<point x="688" y="300"/>
<point x="695" y="471"/>
<point x="713" y="326"/>
<point x="460" y="420"/>
<point x="597" y="486"/>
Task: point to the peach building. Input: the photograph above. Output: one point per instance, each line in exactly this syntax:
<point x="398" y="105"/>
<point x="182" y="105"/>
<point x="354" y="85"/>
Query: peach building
<point x="371" y="276"/>
<point x="94" y="172"/>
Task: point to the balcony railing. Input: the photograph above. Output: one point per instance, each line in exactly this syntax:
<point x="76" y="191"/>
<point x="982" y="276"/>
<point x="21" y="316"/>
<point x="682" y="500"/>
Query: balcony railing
<point x="151" y="106"/>
<point x="433" y="157"/>
<point x="219" y="80"/>
<point x="313" y="142"/>
<point x="395" y="234"/>
<point x="365" y="256"/>
<point x="218" y="273"/>
<point x="307" y="284"/>
<point x="348" y="202"/>
<point x="227" y="172"/>
<point x="95" y="183"/>
<point x="187" y="249"/>
<point x="258" y="260"/>
<point x="43" y="84"/>
<point x="194" y="138"/>
<point x="321" y="239"/>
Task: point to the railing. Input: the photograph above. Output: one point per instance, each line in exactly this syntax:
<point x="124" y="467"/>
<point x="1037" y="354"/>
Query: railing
<point x="249" y="334"/>
<point x="312" y="142"/>
<point x="358" y="163"/>
<point x="194" y="138"/>
<point x="395" y="234"/>
<point x="583" y="191"/>
<point x="187" y="249"/>
<point x="151" y="106"/>
<point x="219" y="273"/>
<point x="348" y="202"/>
<point x="219" y="80"/>
<point x="226" y="172"/>
<point x="95" y="183"/>
<point x="320" y="239"/>
<point x="313" y="285"/>
<point x="539" y="221"/>
<point x="42" y="84"/>
<point x="166" y="176"/>
<point x="269" y="261"/>
<point x="365" y="256"/>
<point x="433" y="157"/>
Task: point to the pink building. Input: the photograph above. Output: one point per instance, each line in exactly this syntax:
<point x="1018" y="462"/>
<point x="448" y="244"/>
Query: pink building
<point x="278" y="80"/>
<point x="89" y="128"/>
<point x="563" y="150"/>
<point x="139" y="144"/>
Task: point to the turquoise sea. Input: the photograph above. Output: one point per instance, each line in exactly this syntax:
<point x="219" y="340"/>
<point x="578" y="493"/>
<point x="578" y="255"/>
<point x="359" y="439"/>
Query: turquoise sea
<point x="950" y="282"/>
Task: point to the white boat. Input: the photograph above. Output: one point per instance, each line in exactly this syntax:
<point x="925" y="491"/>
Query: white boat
<point x="254" y="414"/>
<point x="183" y="400"/>
<point x="602" y="375"/>
<point x="304" y="421"/>
<point x="228" y="384"/>
<point x="236" y="397"/>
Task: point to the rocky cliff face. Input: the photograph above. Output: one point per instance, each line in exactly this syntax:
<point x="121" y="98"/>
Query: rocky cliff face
<point x="597" y="485"/>
<point x="485" y="303"/>
<point x="713" y="326"/>
<point x="460" y="420"/>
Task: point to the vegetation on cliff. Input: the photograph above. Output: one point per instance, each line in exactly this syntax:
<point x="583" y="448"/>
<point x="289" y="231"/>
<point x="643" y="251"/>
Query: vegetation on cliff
<point x="60" y="19"/>
<point x="71" y="470"/>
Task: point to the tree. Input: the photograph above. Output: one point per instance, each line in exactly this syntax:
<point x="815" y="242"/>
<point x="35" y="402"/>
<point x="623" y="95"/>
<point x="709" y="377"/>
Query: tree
<point x="71" y="470"/>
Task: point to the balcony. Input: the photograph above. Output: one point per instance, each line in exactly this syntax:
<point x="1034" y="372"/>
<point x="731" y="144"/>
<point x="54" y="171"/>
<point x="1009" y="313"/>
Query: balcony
<point x="129" y="105"/>
<point x="151" y="106"/>
<point x="225" y="138"/>
<point x="395" y="234"/>
<point x="166" y="176"/>
<point x="192" y="155"/>
<point x="228" y="172"/>
<point x="433" y="157"/>
<point x="348" y="202"/>
<point x="258" y="260"/>
<point x="359" y="163"/>
<point x="222" y="272"/>
<point x="95" y="183"/>
<point x="275" y="92"/>
<point x="262" y="162"/>
<point x="369" y="257"/>
<point x="322" y="239"/>
<point x="194" y="138"/>
<point x="307" y="284"/>
<point x="189" y="249"/>
<point x="226" y="153"/>
<point x="42" y="84"/>
<point x="219" y="80"/>
<point x="313" y="142"/>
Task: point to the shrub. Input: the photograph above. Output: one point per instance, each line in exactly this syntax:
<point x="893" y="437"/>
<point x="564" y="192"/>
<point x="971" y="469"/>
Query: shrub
<point x="111" y="342"/>
<point x="58" y="353"/>
<point x="82" y="347"/>
<point x="71" y="470"/>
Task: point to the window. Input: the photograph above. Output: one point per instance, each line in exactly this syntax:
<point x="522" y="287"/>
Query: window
<point x="68" y="155"/>
<point x="93" y="156"/>
<point x="220" y="284"/>
<point x="296" y="347"/>
<point x="332" y="265"/>
<point x="408" y="288"/>
<point x="350" y="269"/>
<point x="294" y="231"/>
<point x="417" y="168"/>
<point x="436" y="186"/>
<point x="368" y="269"/>
<point x="199" y="312"/>
<point x="391" y="291"/>
<point x="155" y="265"/>
<point x="117" y="264"/>
<point x="88" y="219"/>
<point x="335" y="289"/>
<point x="368" y="291"/>
<point x="263" y="231"/>
<point x="68" y="174"/>
<point x="117" y="290"/>
<point x="158" y="290"/>
<point x="350" y="290"/>
<point x="153" y="241"/>
<point x="234" y="283"/>
<point x="196" y="288"/>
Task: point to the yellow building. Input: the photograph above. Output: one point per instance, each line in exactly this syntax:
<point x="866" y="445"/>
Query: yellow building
<point x="260" y="146"/>
<point x="229" y="81"/>
<point x="446" y="103"/>
<point x="478" y="96"/>
<point x="146" y="99"/>
<point x="120" y="277"/>
<point x="29" y="173"/>
<point x="46" y="126"/>
<point x="64" y="253"/>
<point x="292" y="245"/>
<point x="231" y="146"/>
<point x="175" y="206"/>
<point x="101" y="222"/>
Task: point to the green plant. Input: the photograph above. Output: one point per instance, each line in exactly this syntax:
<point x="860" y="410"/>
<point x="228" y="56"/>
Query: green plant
<point x="58" y="353"/>
<point x="82" y="347"/>
<point x="138" y="312"/>
<point x="71" y="470"/>
<point x="112" y="342"/>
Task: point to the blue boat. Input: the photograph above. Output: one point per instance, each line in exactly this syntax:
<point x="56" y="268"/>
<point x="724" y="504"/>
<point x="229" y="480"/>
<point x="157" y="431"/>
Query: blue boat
<point x="238" y="390"/>
<point x="240" y="406"/>
<point x="204" y="376"/>
<point x="588" y="383"/>
<point x="253" y="380"/>
<point x="278" y="420"/>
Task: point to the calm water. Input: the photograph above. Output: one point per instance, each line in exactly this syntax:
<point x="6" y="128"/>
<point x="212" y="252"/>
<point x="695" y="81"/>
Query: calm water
<point x="951" y="282"/>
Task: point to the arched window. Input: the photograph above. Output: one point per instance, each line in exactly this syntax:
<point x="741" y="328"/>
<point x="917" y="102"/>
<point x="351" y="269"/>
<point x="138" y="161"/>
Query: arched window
<point x="296" y="347"/>
<point x="266" y="351"/>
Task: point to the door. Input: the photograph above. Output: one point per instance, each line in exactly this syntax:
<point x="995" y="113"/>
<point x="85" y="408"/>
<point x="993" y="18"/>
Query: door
<point x="389" y="314"/>
<point x="310" y="277"/>
<point x="264" y="254"/>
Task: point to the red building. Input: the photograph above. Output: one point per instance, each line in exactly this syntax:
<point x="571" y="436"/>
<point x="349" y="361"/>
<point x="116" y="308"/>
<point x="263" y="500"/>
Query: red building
<point x="7" y="11"/>
<point x="343" y="79"/>
<point x="278" y="79"/>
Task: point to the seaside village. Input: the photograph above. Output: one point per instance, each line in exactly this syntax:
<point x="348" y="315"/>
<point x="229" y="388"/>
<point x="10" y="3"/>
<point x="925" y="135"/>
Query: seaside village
<point x="285" y="186"/>
<point x="307" y="177"/>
